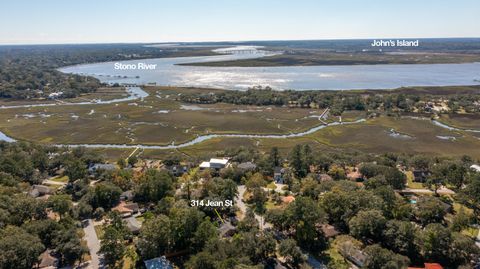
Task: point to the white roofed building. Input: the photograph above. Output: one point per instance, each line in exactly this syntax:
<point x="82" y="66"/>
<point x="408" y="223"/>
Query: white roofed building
<point x="475" y="167"/>
<point x="215" y="163"/>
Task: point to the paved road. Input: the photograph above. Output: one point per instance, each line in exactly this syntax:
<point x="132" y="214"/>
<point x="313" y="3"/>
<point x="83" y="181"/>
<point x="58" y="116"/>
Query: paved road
<point x="93" y="245"/>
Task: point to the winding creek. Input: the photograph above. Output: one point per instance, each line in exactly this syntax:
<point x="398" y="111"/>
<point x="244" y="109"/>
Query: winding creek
<point x="169" y="72"/>
<point x="202" y="138"/>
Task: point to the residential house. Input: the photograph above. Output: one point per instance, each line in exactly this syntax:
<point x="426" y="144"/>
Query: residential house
<point x="126" y="209"/>
<point x="324" y="177"/>
<point x="227" y="229"/>
<point x="158" y="263"/>
<point x="133" y="224"/>
<point x="352" y="253"/>
<point x="329" y="230"/>
<point x="247" y="166"/>
<point x="47" y="260"/>
<point x="475" y="167"/>
<point x="429" y="266"/>
<point x="126" y="196"/>
<point x="278" y="173"/>
<point x="288" y="199"/>
<point x="215" y="164"/>
<point x="355" y="175"/>
<point x="178" y="170"/>
<point x="101" y="167"/>
<point x="420" y="175"/>
<point x="40" y="190"/>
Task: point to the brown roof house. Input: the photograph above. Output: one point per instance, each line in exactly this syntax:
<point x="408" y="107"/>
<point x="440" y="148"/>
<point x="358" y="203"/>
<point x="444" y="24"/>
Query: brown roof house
<point x="126" y="210"/>
<point x="40" y="190"/>
<point x="47" y="260"/>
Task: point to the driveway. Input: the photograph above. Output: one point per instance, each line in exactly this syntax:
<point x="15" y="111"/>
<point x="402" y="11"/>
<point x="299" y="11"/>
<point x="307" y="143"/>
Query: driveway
<point x="93" y="246"/>
<point x="243" y="207"/>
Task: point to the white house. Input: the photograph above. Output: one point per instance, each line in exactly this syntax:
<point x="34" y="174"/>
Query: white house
<point x="215" y="163"/>
<point x="475" y="167"/>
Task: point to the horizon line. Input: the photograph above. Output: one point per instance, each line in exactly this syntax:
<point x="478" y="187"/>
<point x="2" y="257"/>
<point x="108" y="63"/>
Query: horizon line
<point x="226" y="41"/>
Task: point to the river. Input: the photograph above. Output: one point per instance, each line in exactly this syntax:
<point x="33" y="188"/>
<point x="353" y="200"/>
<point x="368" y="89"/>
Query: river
<point x="385" y="76"/>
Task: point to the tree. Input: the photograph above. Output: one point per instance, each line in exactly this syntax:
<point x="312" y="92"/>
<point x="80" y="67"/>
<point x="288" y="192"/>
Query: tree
<point x="105" y="195"/>
<point x="380" y="258"/>
<point x="399" y="236"/>
<point x="259" y="198"/>
<point x="45" y="229"/>
<point x="249" y="222"/>
<point x="18" y="249"/>
<point x="430" y="210"/>
<point x="274" y="157"/>
<point x="153" y="186"/>
<point x="256" y="181"/>
<point x="297" y="161"/>
<point x="75" y="169"/>
<point x="202" y="260"/>
<point x="257" y="246"/>
<point x="449" y="172"/>
<point x="132" y="160"/>
<point x="112" y="245"/>
<point x="367" y="225"/>
<point x="369" y="170"/>
<point x="68" y="245"/>
<point x="293" y="255"/>
<point x="337" y="172"/>
<point x="461" y="220"/>
<point x="303" y="215"/>
<point x="205" y="232"/>
<point x="184" y="222"/>
<point x="470" y="196"/>
<point x="463" y="250"/>
<point x="60" y="203"/>
<point x="389" y="199"/>
<point x="121" y="163"/>
<point x="434" y="242"/>
<point x="420" y="162"/>
<point x="155" y="237"/>
<point x="342" y="205"/>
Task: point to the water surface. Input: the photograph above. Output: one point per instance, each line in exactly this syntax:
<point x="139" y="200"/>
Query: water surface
<point x="388" y="76"/>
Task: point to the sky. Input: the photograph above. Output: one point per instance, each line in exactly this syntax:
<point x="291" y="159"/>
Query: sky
<point x="148" y="21"/>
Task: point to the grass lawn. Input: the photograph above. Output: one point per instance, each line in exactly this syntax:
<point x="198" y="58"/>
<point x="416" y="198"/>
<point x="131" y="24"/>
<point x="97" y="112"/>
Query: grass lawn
<point x="63" y="179"/>
<point x="471" y="232"/>
<point x="457" y="207"/>
<point x="333" y="256"/>
<point x="411" y="184"/>
<point x="272" y="185"/>
<point x="54" y="186"/>
<point x="270" y="205"/>
<point x="99" y="231"/>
